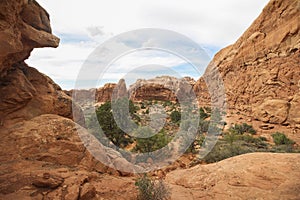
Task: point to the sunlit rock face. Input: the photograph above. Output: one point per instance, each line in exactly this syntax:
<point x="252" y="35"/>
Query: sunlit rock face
<point x="261" y="71"/>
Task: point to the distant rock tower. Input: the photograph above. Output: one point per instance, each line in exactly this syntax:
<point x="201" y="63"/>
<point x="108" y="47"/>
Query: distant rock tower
<point x="120" y="90"/>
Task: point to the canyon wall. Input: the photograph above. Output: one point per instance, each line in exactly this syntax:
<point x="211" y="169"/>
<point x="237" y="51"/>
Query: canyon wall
<point x="261" y="71"/>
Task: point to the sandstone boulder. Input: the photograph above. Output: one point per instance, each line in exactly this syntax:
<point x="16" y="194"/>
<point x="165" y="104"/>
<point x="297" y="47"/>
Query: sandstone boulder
<point x="274" y="111"/>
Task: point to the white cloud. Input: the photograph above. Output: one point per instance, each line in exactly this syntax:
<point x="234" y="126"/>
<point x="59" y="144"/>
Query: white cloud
<point x="82" y="25"/>
<point x="210" y="21"/>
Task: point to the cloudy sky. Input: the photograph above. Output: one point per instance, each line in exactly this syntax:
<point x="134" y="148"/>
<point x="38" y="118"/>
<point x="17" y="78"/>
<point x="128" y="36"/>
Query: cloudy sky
<point x="83" y="26"/>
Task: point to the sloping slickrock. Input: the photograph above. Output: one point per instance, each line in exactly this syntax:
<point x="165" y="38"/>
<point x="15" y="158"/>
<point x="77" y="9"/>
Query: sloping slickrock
<point x="248" y="176"/>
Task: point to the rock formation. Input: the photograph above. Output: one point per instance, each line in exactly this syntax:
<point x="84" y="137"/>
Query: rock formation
<point x="104" y="93"/>
<point x="261" y="71"/>
<point x="42" y="156"/>
<point x="26" y="93"/>
<point x="250" y="176"/>
<point x="163" y="88"/>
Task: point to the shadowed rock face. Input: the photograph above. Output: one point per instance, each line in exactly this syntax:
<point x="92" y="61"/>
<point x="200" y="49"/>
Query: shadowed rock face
<point x="24" y="25"/>
<point x="261" y="71"/>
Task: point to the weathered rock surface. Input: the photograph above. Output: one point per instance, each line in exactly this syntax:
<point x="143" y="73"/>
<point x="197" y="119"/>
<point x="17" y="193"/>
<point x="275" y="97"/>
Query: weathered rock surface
<point x="24" y="25"/>
<point x="273" y="111"/>
<point x="45" y="156"/>
<point x="26" y="93"/>
<point x="249" y="176"/>
<point x="163" y="88"/>
<point x="104" y="93"/>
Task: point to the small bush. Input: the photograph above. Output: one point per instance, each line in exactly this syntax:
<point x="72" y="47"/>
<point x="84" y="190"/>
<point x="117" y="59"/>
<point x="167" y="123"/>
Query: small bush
<point x="167" y="103"/>
<point x="203" y="114"/>
<point x="175" y="116"/>
<point x="263" y="138"/>
<point x="257" y="143"/>
<point x="223" y="151"/>
<point x="242" y="128"/>
<point x="151" y="190"/>
<point x="230" y="137"/>
<point x="143" y="106"/>
<point x="193" y="148"/>
<point x="281" y="139"/>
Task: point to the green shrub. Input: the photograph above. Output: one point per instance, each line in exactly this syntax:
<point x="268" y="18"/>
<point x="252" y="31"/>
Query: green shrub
<point x="147" y="111"/>
<point x="150" y="144"/>
<point x="243" y="128"/>
<point x="175" y="116"/>
<point x="263" y="138"/>
<point x="222" y="151"/>
<point x="230" y="137"/>
<point x="151" y="190"/>
<point x="167" y="103"/>
<point x="193" y="148"/>
<point x="110" y="127"/>
<point x="281" y="139"/>
<point x="203" y="114"/>
<point x="249" y="140"/>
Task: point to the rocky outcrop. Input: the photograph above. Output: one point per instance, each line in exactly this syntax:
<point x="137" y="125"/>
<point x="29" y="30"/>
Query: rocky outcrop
<point x="272" y="111"/>
<point x="24" y="25"/>
<point x="153" y="92"/>
<point x="261" y="71"/>
<point x="249" y="176"/>
<point x="163" y="88"/>
<point x="104" y="93"/>
<point x="42" y="154"/>
<point x="26" y="93"/>
<point x="45" y="158"/>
